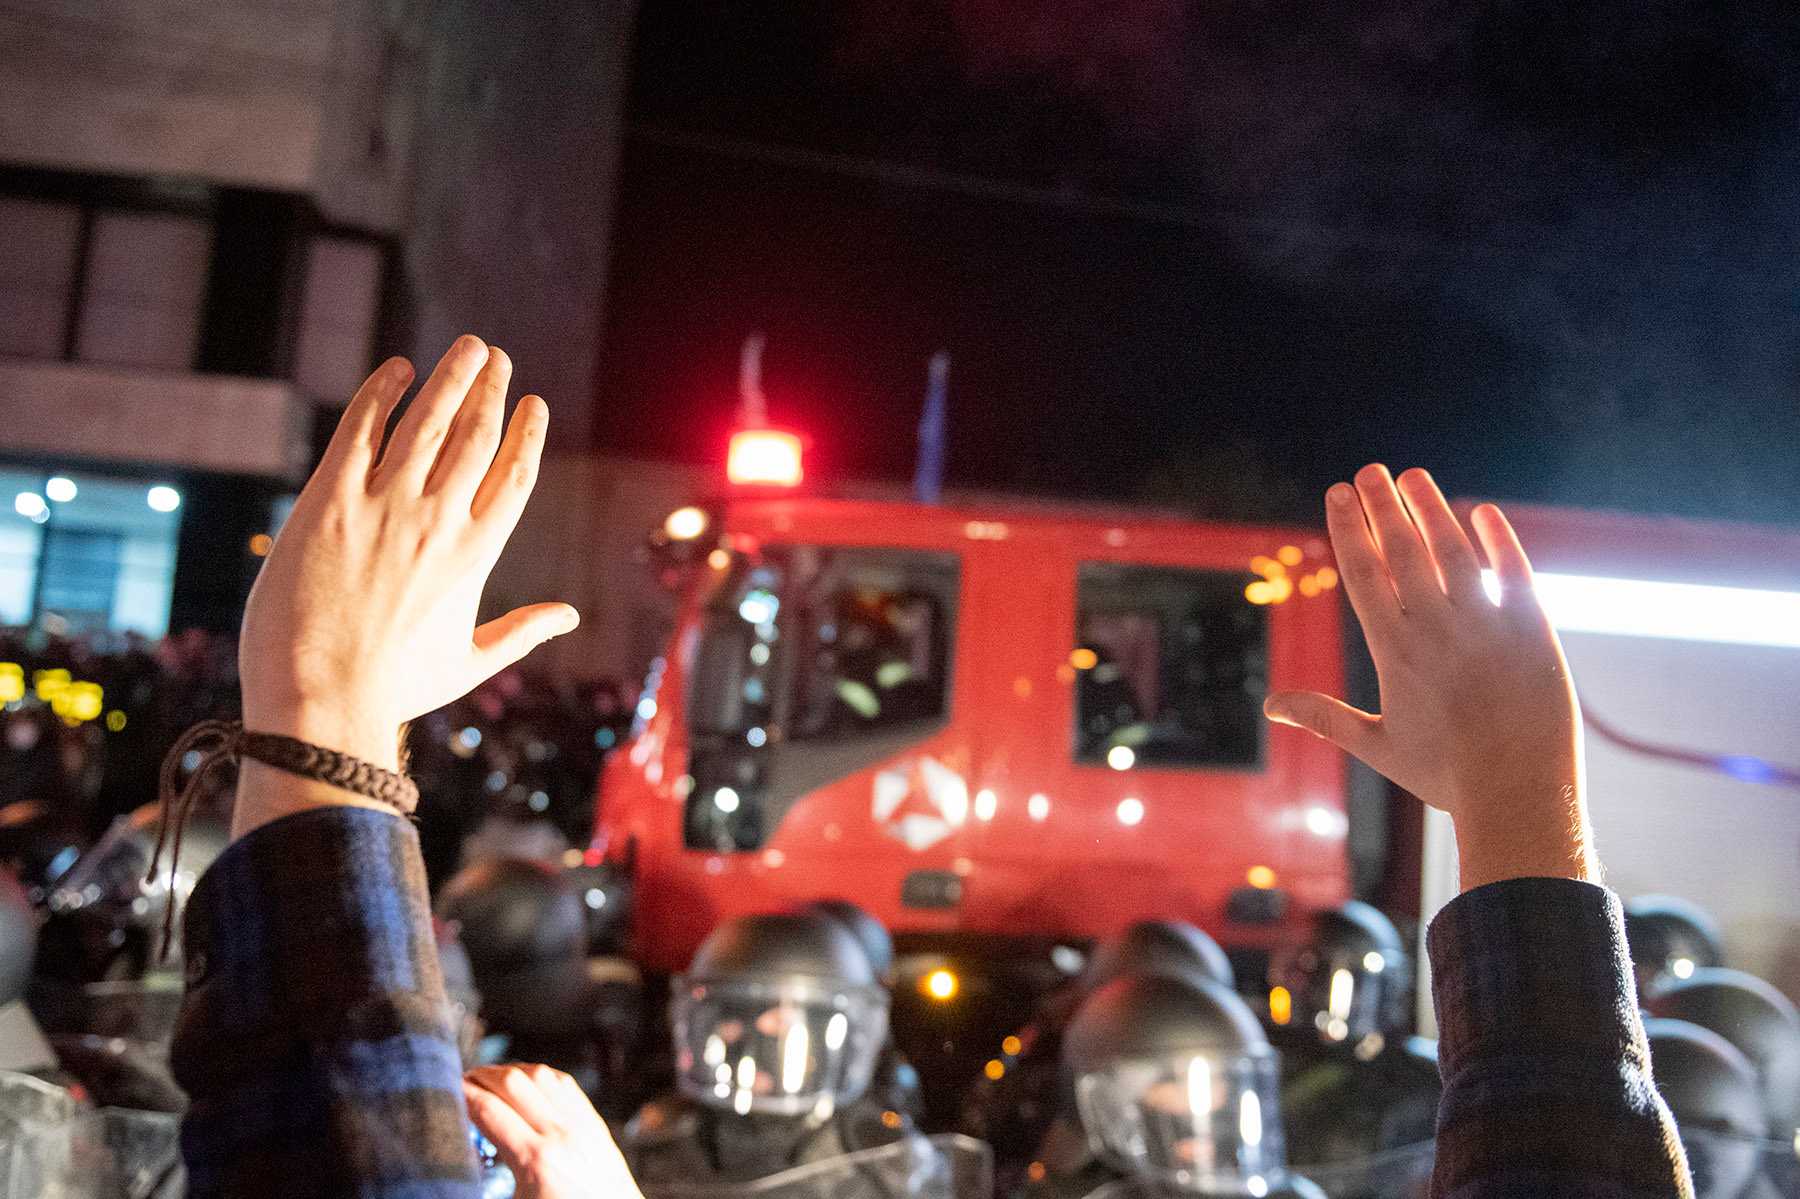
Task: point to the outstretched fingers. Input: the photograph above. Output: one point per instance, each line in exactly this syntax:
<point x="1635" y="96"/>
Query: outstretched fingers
<point x="412" y="450"/>
<point x="1504" y="553"/>
<point x="505" y="639"/>
<point x="1457" y="566"/>
<point x="1352" y="730"/>
<point x="468" y="449"/>
<point x="500" y="499"/>
<point x="1408" y="562"/>
<point x="357" y="441"/>
<point x="1365" y="575"/>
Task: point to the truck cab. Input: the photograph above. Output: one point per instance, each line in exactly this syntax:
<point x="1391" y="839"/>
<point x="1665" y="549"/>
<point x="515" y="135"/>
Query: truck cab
<point x="979" y="721"/>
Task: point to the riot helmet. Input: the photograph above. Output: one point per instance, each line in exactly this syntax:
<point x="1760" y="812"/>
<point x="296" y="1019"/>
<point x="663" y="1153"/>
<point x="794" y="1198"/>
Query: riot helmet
<point x="18" y="940"/>
<point x="871" y="933"/>
<point x="1753" y="1016"/>
<point x="1713" y="1093"/>
<point x="525" y="932"/>
<point x="1157" y="947"/>
<point x="779" y="1015"/>
<point x="107" y="913"/>
<point x="1176" y="1084"/>
<point x="1347" y="982"/>
<point x="1669" y="938"/>
<point x="37" y="845"/>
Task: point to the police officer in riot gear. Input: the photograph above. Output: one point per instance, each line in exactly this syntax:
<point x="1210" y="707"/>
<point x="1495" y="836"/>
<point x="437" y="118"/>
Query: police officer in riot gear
<point x="896" y="1083"/>
<point x="524" y="929"/>
<point x="1713" y="1092"/>
<point x="1669" y="938"/>
<point x="109" y="954"/>
<point x="525" y="935"/>
<point x="1755" y="1017"/>
<point x="1354" y="1084"/>
<point x="869" y="932"/>
<point x="777" y="1026"/>
<point x="18" y="941"/>
<point x="62" y="1074"/>
<point x="38" y="844"/>
<point x="1014" y="1112"/>
<point x="1175" y="1084"/>
<point x="1157" y="947"/>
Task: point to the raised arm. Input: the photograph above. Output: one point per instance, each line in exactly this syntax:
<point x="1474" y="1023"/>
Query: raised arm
<point x="316" y="1043"/>
<point x="1547" y="1083"/>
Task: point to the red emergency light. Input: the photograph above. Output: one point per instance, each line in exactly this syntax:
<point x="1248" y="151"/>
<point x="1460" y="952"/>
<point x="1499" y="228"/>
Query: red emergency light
<point x="764" y="458"/>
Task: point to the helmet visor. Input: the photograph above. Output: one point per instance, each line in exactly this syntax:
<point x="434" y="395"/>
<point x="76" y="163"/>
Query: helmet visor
<point x="1197" y="1121"/>
<point x="1342" y="995"/>
<point x="775" y="1048"/>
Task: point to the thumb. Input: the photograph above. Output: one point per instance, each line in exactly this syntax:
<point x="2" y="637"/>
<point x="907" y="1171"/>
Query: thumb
<point x="505" y="639"/>
<point x="1352" y="730"/>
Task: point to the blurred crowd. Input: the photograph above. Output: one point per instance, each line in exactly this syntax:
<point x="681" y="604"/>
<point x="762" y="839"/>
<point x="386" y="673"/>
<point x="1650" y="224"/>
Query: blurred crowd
<point x="1316" y="1061"/>
<point x="507" y="770"/>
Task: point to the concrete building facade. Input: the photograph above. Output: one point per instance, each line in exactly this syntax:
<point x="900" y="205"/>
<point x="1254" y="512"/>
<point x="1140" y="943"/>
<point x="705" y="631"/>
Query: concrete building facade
<point x="220" y="216"/>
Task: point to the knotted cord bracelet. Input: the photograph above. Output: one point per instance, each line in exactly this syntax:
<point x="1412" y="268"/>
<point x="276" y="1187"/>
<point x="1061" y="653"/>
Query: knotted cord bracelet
<point x="227" y="741"/>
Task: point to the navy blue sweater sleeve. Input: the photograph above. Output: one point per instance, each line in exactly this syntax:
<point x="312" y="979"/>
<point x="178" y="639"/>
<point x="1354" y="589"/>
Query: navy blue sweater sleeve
<point x="1547" y="1076"/>
<point x="315" y="1042"/>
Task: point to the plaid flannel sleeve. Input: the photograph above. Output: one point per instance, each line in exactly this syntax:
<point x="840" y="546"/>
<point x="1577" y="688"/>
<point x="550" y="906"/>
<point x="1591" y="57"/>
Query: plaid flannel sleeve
<point x="1547" y="1084"/>
<point x="315" y="1042"/>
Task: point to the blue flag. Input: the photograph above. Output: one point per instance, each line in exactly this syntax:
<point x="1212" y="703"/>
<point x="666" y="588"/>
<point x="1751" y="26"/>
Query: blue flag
<point x="928" y="476"/>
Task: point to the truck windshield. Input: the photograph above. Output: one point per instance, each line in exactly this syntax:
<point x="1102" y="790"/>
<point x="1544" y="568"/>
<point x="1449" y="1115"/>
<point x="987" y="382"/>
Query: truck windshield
<point x="814" y="662"/>
<point x="1174" y="667"/>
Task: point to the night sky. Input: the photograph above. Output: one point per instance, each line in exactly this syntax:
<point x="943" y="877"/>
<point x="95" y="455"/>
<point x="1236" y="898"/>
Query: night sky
<point x="1215" y="256"/>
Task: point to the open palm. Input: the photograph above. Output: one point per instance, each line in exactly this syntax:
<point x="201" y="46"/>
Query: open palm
<point x="364" y="615"/>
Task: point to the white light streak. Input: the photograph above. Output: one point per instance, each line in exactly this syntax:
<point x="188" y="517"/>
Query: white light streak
<point x="796" y="1045"/>
<point x="1674" y="611"/>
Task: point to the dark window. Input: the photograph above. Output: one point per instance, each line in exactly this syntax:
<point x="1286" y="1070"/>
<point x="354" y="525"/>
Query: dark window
<point x="152" y="273"/>
<point x="814" y="662"/>
<point x="37" y="275"/>
<point x="79" y="572"/>
<point x="875" y="628"/>
<point x="141" y="295"/>
<point x="1173" y="667"/>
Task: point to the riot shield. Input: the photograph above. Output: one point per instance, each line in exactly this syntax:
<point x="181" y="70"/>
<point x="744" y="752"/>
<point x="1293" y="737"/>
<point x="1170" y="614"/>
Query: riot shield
<point x="1403" y="1173"/>
<point x="145" y="1152"/>
<point x="52" y="1147"/>
<point x="1280" y="1186"/>
<point x="140" y="1010"/>
<point x="947" y="1166"/>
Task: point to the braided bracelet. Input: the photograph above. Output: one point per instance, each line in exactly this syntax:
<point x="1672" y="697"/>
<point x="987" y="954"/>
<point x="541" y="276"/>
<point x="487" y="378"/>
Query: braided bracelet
<point x="226" y="741"/>
<point x="329" y="766"/>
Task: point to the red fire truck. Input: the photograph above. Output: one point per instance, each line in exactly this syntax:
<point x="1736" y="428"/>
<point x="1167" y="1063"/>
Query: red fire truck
<point x="979" y="721"/>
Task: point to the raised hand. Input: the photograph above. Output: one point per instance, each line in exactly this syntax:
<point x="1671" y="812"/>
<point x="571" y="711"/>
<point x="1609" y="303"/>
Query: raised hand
<point x="547" y="1132"/>
<point x="1478" y="713"/>
<point x="364" y="614"/>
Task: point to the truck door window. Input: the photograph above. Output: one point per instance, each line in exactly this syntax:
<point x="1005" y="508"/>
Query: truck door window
<point x="814" y="662"/>
<point x="1172" y="666"/>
